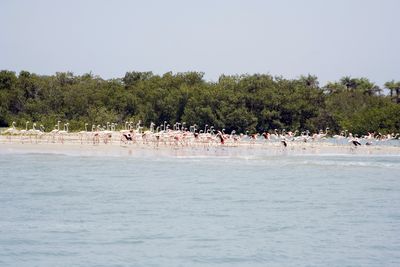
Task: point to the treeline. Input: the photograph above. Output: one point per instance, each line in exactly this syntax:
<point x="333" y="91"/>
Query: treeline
<point x="254" y="103"/>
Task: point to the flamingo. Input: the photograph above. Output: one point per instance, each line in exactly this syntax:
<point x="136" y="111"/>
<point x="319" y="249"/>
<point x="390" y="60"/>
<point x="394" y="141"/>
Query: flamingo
<point x="305" y="136"/>
<point x="321" y="134"/>
<point x="23" y="132"/>
<point x="40" y="132"/>
<point x="11" y="130"/>
<point x="107" y="134"/>
<point x="34" y="132"/>
<point x="192" y="128"/>
<point x="221" y="137"/>
<point x="275" y="135"/>
<point x="96" y="134"/>
<point x="63" y="132"/>
<point x="55" y="131"/>
<point x="266" y="135"/>
<point x="152" y="124"/>
<point x="84" y="133"/>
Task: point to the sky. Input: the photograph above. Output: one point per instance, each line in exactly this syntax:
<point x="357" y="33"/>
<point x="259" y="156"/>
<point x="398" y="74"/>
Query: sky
<point x="289" y="38"/>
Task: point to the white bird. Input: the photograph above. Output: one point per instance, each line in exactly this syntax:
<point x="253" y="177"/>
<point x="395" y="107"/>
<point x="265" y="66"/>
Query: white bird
<point x="12" y="129"/>
<point x="63" y="132"/>
<point x="24" y="132"/>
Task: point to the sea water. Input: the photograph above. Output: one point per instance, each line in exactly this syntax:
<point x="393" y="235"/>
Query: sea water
<point x="201" y="210"/>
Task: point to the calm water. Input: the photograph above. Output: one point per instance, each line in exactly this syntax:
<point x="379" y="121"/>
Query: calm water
<point x="59" y="210"/>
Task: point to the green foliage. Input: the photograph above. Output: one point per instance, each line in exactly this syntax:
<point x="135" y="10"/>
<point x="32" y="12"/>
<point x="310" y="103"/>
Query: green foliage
<point x="385" y="119"/>
<point x="253" y="103"/>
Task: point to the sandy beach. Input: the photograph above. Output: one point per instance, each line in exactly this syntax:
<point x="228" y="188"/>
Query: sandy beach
<point x="117" y="148"/>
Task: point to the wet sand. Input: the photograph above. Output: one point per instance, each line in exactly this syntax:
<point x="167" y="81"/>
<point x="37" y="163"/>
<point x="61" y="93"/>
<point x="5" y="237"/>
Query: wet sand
<point x="117" y="148"/>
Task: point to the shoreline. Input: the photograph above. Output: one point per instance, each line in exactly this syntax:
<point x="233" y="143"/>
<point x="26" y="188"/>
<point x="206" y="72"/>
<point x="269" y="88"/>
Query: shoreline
<point x="240" y="150"/>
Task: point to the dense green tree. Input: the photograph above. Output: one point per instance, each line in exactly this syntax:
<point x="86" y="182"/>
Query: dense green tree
<point x="254" y="103"/>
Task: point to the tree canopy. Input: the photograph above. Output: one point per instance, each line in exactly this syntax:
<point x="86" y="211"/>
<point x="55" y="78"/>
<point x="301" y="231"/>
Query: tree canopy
<point x="258" y="102"/>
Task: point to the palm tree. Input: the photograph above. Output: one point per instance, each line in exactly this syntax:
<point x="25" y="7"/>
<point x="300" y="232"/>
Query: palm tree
<point x="394" y="87"/>
<point x="391" y="86"/>
<point x="367" y="87"/>
<point x="348" y="82"/>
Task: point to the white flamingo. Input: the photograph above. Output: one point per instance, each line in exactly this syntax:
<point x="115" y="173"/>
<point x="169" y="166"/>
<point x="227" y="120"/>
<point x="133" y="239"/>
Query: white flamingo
<point x="34" y="132"/>
<point x="63" y="132"/>
<point x="11" y="131"/>
<point x="24" y="132"/>
<point x="83" y="134"/>
<point x="55" y="131"/>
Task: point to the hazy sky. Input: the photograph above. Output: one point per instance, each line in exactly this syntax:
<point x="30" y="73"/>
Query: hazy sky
<point x="327" y="38"/>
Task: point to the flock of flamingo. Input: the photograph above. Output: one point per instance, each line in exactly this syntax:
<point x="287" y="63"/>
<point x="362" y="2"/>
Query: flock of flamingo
<point x="180" y="135"/>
